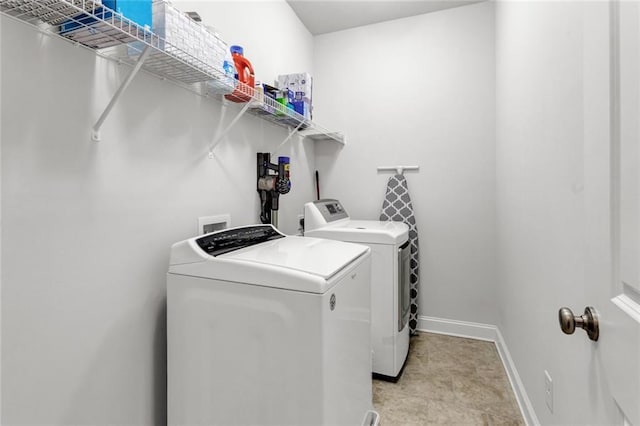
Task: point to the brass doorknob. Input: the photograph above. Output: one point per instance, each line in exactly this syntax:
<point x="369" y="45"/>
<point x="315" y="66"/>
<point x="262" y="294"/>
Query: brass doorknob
<point x="587" y="321"/>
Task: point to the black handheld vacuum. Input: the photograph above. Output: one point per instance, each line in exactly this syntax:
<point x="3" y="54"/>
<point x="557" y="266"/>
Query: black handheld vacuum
<point x="273" y="180"/>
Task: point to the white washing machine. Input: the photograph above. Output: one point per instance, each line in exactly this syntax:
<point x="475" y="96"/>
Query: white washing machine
<point x="390" y="297"/>
<point x="268" y="329"/>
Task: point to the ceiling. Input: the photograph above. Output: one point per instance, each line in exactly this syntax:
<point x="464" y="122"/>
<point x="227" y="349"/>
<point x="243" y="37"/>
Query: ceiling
<point x="325" y="16"/>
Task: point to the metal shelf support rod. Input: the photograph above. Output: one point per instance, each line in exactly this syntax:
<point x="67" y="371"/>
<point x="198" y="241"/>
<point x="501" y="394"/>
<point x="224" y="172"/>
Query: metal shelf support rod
<point x="233" y="122"/>
<point x="291" y="133"/>
<point x="95" y="131"/>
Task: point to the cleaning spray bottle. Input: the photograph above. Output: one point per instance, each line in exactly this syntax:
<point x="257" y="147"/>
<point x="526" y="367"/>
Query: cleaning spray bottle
<point x="226" y="84"/>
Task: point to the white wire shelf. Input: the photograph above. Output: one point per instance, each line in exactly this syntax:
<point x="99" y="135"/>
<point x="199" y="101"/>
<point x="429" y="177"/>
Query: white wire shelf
<point x="53" y="12"/>
<point x="113" y="36"/>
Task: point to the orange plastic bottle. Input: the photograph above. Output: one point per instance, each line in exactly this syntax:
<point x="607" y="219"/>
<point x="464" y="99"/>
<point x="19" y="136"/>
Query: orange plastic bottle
<point x="243" y="91"/>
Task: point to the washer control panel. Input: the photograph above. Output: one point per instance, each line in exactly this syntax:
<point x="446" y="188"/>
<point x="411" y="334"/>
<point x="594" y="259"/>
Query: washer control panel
<point x="222" y="242"/>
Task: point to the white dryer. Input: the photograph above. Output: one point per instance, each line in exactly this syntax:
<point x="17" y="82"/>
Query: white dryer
<point x="390" y="282"/>
<point x="268" y="329"/>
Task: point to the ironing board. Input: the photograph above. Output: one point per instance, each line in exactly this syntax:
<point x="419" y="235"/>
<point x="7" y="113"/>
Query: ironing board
<point x="397" y="207"/>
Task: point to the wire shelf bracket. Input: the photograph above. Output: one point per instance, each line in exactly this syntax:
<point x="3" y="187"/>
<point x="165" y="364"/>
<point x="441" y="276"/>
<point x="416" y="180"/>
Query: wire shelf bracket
<point x="95" y="130"/>
<point x="290" y="135"/>
<point x="233" y="122"/>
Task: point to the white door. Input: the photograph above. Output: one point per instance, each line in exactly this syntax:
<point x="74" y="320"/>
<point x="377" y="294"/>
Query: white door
<point x="621" y="311"/>
<point x="612" y="171"/>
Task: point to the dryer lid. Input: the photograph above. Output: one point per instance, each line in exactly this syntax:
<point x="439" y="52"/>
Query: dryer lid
<point x="364" y="231"/>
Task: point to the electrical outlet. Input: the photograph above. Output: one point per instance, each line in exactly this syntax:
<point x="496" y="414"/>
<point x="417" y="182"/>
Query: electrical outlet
<point x="300" y="225"/>
<point x="548" y="390"/>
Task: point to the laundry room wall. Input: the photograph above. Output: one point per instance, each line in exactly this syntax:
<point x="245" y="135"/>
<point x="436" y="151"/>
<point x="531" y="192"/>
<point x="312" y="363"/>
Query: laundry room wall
<point x="87" y="227"/>
<point x="0" y="237"/>
<point x="420" y="91"/>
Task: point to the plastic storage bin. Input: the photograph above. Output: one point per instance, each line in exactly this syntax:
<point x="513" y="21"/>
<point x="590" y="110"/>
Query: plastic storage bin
<point x="95" y="33"/>
<point x="188" y="40"/>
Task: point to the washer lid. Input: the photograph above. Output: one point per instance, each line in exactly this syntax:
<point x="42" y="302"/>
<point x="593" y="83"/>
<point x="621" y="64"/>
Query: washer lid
<point x="323" y="258"/>
<point x="364" y="231"/>
<point x="257" y="256"/>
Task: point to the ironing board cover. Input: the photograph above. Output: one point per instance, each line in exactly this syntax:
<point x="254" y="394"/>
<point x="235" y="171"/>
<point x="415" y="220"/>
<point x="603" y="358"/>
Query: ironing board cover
<point x="397" y="207"/>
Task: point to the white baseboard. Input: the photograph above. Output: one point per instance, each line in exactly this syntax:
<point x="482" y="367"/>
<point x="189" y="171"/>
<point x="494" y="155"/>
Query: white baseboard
<point x="471" y="330"/>
<point x="518" y="388"/>
<point x="489" y="333"/>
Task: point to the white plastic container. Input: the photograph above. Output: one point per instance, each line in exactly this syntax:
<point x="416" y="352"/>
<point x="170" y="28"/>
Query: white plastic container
<point x="195" y="53"/>
<point x="185" y="36"/>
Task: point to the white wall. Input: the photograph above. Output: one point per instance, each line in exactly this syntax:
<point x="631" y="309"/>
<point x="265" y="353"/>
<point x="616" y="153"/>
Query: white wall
<point x="419" y="91"/>
<point x="87" y="226"/>
<point x="552" y="197"/>
<point x="0" y="234"/>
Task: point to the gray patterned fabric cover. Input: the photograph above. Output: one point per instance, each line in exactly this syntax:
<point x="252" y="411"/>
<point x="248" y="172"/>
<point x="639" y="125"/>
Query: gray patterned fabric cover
<point x="397" y="207"/>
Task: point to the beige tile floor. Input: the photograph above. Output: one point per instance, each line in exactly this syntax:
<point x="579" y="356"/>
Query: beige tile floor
<point x="448" y="381"/>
